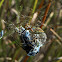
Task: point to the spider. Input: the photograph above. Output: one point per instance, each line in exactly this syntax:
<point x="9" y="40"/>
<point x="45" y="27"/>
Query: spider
<point x="31" y="40"/>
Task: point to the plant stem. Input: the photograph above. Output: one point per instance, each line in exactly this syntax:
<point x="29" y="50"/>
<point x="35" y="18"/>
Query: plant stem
<point x="25" y="60"/>
<point x="1" y="3"/>
<point x="41" y="4"/>
<point x="45" y="14"/>
<point x="35" y="4"/>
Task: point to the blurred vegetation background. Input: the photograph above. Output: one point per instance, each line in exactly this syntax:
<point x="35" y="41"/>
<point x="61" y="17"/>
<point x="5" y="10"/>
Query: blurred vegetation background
<point x="20" y="12"/>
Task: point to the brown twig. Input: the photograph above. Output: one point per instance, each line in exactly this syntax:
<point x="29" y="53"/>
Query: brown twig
<point x="25" y="60"/>
<point x="45" y="14"/>
<point x="41" y="4"/>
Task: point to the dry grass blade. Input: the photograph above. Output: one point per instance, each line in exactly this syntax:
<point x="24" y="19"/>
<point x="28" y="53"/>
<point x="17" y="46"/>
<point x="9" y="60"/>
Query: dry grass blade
<point x="56" y="34"/>
<point x="7" y="58"/>
<point x="49" y="19"/>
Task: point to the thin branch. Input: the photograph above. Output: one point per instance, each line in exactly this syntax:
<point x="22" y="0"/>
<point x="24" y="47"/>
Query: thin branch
<point x="41" y="4"/>
<point x="46" y="11"/>
<point x="25" y="60"/>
